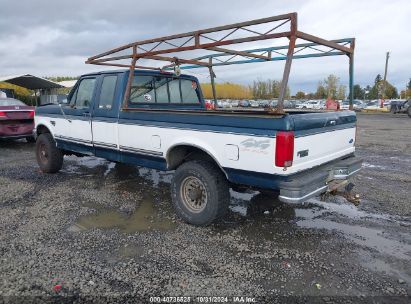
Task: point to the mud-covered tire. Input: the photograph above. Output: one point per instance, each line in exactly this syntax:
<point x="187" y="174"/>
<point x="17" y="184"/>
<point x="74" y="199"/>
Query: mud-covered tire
<point x="49" y="157"/>
<point x="212" y="191"/>
<point x="30" y="139"/>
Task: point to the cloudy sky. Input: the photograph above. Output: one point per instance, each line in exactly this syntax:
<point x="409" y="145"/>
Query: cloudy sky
<point x="54" y="38"/>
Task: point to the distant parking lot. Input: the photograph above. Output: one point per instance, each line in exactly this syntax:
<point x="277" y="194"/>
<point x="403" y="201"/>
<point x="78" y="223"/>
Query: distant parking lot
<point x="100" y="228"/>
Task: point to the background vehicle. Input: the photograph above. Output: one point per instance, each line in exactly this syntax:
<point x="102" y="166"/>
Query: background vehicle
<point x="254" y="104"/>
<point x="244" y="103"/>
<point x="165" y="126"/>
<point x="373" y="105"/>
<point x="16" y="119"/>
<point x="301" y="104"/>
<point x="234" y="103"/>
<point x="358" y="105"/>
<point x="397" y="105"/>
<point x="312" y="104"/>
<point x="401" y="106"/>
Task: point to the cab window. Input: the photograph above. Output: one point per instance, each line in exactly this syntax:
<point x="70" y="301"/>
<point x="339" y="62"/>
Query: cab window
<point x="189" y="91"/>
<point x="142" y="90"/>
<point x="84" y="93"/>
<point x="161" y="85"/>
<point x="174" y="89"/>
<point x="108" y="89"/>
<point x="162" y="90"/>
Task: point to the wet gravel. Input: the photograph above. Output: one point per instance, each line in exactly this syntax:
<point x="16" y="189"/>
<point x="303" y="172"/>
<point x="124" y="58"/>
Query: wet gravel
<point x="107" y="232"/>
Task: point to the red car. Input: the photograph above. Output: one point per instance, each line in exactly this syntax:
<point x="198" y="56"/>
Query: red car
<point x="16" y="119"/>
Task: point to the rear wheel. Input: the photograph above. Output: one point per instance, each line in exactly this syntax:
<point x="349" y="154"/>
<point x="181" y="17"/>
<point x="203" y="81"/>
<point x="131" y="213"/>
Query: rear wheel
<point x="49" y="157"/>
<point x="200" y="192"/>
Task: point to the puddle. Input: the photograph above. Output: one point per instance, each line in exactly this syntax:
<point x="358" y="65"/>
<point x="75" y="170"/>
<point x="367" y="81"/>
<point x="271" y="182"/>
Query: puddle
<point x="72" y="164"/>
<point x="373" y="238"/>
<point x="144" y="218"/>
<point x="155" y="176"/>
<point x="368" y="237"/>
<point x="110" y="167"/>
<point x="379" y="265"/>
<point x="351" y="211"/>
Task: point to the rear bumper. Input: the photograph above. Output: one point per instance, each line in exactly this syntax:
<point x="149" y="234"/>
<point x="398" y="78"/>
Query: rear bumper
<point x="16" y="130"/>
<point x="16" y="136"/>
<point x="302" y="186"/>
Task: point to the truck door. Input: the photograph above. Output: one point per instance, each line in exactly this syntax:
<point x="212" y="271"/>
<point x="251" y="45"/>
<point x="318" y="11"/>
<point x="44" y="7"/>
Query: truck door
<point x="105" y="117"/>
<point x="74" y="130"/>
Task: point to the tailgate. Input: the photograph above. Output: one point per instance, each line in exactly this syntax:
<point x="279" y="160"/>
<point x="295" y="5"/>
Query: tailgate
<point x="322" y="137"/>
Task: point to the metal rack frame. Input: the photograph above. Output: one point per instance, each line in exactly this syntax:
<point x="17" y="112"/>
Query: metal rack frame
<point x="155" y="49"/>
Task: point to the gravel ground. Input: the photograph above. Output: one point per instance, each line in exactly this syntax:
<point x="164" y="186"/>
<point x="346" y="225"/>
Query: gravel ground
<point x="103" y="231"/>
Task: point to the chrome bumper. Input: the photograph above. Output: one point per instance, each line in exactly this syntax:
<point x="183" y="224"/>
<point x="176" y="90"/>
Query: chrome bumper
<point x="303" y="186"/>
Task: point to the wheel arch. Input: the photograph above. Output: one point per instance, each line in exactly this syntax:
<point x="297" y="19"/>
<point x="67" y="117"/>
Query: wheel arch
<point x="181" y="152"/>
<point x="42" y="128"/>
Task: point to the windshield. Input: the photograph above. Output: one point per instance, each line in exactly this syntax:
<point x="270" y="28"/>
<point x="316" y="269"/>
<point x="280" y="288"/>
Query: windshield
<point x="11" y="102"/>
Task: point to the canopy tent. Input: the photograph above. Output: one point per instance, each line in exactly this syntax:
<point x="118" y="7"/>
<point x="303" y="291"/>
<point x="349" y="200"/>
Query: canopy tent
<point x="31" y="82"/>
<point x="44" y="88"/>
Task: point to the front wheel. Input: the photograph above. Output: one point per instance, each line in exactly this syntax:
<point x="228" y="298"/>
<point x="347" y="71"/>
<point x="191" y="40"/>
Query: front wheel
<point x="200" y="192"/>
<point x="49" y="157"/>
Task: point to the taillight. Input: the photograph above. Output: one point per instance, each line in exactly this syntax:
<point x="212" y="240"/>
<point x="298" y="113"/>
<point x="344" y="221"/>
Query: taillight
<point x="31" y="114"/>
<point x="284" y="149"/>
<point x="3" y="115"/>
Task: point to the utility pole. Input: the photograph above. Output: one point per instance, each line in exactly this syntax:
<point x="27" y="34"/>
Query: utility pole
<point x="385" y="75"/>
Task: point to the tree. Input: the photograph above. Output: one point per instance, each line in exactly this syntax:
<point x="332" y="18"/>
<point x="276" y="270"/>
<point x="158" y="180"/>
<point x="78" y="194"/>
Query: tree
<point x="341" y="92"/>
<point x="407" y="93"/>
<point x="300" y="95"/>
<point x="17" y="89"/>
<point x="376" y="91"/>
<point x="377" y="79"/>
<point x="226" y="90"/>
<point x="321" y="92"/>
<point x="61" y="78"/>
<point x="358" y="92"/>
<point x="267" y="89"/>
<point x="390" y="90"/>
<point x="331" y="85"/>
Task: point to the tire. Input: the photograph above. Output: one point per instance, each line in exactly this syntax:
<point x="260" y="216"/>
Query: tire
<point x="49" y="157"/>
<point x="30" y="139"/>
<point x="200" y="192"/>
<point x="409" y="111"/>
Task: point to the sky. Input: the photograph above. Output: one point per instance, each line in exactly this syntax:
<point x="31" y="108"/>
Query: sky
<point x="54" y="38"/>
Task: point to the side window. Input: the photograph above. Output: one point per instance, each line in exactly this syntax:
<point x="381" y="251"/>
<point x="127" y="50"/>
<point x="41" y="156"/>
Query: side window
<point x="189" y="91"/>
<point x="108" y="89"/>
<point x="84" y="93"/>
<point x="174" y="88"/>
<point x="142" y="90"/>
<point x="161" y="84"/>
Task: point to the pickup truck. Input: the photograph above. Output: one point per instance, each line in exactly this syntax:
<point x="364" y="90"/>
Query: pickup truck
<point x="296" y="155"/>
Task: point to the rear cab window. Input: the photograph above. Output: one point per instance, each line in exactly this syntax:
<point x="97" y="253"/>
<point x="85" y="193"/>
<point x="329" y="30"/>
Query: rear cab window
<point x="161" y="91"/>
